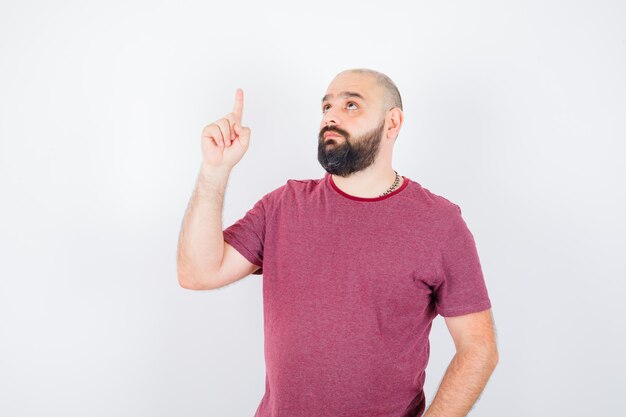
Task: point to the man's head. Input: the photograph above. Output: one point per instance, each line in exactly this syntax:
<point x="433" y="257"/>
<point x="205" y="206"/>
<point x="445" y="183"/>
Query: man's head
<point x="362" y="108"/>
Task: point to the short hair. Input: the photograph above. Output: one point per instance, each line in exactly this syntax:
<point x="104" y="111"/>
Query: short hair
<point x="393" y="98"/>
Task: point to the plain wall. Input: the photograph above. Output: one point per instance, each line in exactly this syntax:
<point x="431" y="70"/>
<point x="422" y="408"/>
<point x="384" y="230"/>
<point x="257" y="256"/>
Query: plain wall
<point x="513" y="110"/>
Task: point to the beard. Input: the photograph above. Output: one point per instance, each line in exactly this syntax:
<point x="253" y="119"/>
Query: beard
<point x="352" y="155"/>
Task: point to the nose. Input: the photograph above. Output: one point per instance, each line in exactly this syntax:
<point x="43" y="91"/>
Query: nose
<point x="330" y="118"/>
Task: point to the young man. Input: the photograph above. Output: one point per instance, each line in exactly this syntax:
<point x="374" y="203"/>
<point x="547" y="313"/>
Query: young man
<point x="355" y="266"/>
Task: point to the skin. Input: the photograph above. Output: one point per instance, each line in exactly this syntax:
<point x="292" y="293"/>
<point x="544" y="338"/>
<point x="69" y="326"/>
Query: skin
<point x="471" y="367"/>
<point x="360" y="119"/>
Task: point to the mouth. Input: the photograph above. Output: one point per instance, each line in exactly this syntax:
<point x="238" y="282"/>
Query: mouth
<point x="331" y="135"/>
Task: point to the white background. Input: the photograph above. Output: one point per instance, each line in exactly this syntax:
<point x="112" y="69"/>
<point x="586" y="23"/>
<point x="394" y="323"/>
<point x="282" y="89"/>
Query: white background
<point x="513" y="110"/>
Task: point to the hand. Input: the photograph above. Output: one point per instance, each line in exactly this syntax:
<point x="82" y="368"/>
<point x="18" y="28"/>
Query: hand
<point x="225" y="141"/>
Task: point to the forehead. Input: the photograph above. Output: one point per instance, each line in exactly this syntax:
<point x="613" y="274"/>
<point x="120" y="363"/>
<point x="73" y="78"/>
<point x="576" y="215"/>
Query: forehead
<point x="351" y="84"/>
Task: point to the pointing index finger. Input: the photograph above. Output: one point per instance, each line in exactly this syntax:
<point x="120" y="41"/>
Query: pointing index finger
<point x="238" y="106"/>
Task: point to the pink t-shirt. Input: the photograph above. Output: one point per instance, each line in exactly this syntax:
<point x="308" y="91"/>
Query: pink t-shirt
<point x="350" y="288"/>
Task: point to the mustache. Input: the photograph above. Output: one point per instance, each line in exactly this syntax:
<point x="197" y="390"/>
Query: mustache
<point x="333" y="129"/>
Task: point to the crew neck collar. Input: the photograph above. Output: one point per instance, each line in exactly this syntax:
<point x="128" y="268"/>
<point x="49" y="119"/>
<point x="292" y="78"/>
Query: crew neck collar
<point x="328" y="178"/>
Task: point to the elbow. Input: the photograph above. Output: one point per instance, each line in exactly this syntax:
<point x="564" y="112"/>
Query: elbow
<point x="188" y="280"/>
<point x="493" y="359"/>
<point x="192" y="284"/>
<point x="485" y="353"/>
<point x="186" y="284"/>
<point x="489" y="353"/>
<point x="496" y="357"/>
<point x="491" y="356"/>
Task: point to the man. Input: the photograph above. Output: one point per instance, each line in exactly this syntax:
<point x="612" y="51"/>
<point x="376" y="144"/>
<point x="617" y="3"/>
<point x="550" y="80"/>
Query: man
<point x="355" y="266"/>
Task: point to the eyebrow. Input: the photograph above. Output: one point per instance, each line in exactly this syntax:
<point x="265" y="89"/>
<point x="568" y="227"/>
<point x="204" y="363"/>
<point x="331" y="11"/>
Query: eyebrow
<point x="344" y="94"/>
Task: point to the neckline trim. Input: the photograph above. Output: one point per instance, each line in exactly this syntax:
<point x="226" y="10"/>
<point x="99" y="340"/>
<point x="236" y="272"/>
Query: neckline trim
<point x="329" y="180"/>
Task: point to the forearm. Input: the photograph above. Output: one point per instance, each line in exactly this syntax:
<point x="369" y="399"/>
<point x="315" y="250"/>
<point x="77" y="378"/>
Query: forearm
<point x="201" y="240"/>
<point x="463" y="383"/>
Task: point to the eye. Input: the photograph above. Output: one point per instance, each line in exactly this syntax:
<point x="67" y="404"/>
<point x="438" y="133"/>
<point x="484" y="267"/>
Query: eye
<point x="326" y="106"/>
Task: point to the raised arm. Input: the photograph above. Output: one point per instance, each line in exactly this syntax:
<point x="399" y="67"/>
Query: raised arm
<point x="204" y="260"/>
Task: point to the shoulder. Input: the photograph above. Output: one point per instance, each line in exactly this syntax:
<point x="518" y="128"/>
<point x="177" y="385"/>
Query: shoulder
<point x="304" y="184"/>
<point x="437" y="204"/>
<point x="299" y="187"/>
<point x="438" y="214"/>
<point x="292" y="188"/>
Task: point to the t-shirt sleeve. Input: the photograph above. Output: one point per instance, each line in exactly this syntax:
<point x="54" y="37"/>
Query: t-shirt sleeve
<point x="462" y="288"/>
<point x="247" y="235"/>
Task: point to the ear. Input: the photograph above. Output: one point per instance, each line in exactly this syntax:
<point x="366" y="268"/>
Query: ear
<point x="394" y="117"/>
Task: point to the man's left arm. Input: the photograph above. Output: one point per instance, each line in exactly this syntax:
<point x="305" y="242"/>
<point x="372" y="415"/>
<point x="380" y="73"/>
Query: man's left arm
<point x="472" y="365"/>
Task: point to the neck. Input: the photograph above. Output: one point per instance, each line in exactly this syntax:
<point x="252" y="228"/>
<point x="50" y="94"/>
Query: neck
<point x="368" y="183"/>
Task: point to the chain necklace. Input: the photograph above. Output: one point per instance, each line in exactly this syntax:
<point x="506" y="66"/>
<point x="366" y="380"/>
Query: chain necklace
<point x="394" y="185"/>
